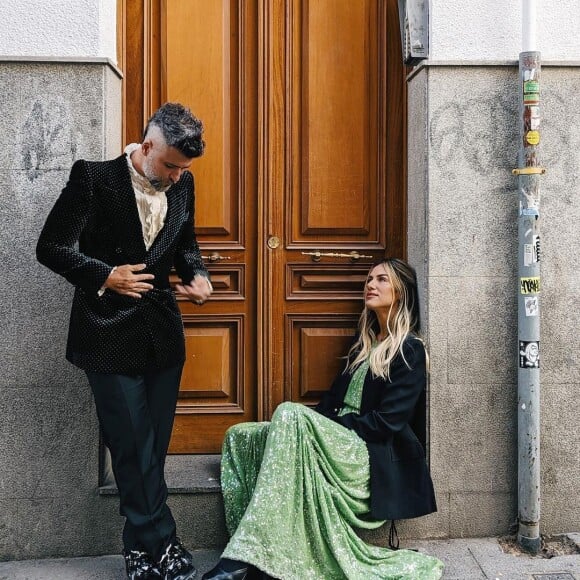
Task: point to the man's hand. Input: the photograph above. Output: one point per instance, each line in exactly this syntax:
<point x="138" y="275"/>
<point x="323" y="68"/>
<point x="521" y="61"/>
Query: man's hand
<point x="198" y="290"/>
<point x="123" y="280"/>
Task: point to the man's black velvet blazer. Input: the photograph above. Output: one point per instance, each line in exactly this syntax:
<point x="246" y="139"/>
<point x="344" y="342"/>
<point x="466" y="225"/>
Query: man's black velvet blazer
<point x="93" y="226"/>
<point x="392" y="423"/>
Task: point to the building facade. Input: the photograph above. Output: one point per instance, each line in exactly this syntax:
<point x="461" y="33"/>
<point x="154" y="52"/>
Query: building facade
<point x="61" y="91"/>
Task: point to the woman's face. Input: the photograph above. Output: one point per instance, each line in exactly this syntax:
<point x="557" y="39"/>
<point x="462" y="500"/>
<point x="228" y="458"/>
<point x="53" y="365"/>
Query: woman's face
<point x="379" y="292"/>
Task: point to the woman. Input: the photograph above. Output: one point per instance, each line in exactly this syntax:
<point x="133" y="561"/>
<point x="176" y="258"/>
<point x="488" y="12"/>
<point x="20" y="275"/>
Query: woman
<point x="295" y="488"/>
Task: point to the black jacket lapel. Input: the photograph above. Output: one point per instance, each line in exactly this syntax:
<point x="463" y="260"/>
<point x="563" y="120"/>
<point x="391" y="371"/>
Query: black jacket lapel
<point x="175" y="218"/>
<point x="124" y="208"/>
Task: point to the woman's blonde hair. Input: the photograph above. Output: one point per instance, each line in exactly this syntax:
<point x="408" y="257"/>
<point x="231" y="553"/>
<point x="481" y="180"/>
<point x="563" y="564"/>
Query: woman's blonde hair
<point x="403" y="320"/>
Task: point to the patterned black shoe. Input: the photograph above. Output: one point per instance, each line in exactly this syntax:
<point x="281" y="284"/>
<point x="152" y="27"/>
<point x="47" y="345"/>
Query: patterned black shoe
<point x="140" y="566"/>
<point x="176" y="562"/>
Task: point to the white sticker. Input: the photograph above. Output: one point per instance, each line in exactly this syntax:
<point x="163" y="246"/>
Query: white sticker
<point x="528" y="254"/>
<point x="529" y="354"/>
<point x="532" y="305"/>
<point x="536" y="247"/>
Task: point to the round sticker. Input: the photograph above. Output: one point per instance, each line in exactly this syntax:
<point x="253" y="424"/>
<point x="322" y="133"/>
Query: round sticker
<point x="533" y="137"/>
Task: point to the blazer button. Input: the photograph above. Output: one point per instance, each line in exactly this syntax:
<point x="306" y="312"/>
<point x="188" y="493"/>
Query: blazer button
<point x="336" y="410"/>
<point x="118" y="250"/>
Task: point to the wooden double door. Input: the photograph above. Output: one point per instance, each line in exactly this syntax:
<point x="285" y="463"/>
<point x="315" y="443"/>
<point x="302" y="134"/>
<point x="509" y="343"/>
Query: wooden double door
<point x="301" y="186"/>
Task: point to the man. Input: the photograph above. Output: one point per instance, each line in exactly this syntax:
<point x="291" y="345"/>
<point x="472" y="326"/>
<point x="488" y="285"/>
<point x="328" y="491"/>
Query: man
<point x="115" y="232"/>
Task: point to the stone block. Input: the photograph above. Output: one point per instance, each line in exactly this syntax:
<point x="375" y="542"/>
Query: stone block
<point x="61" y="116"/>
<point x="69" y="526"/>
<point x="474" y="438"/>
<point x="481" y="330"/>
<point x="560" y="457"/>
<point x="473" y="125"/>
<point x="200" y="519"/>
<point x="53" y="114"/>
<point x="10" y="97"/>
<point x="112" y="121"/>
<point x="560" y="154"/>
<point x="9" y="548"/>
<point x="479" y="515"/>
<point x="49" y="443"/>
<point x="36" y="302"/>
<point x="435" y="525"/>
<point x="437" y="308"/>
<point x="417" y="187"/>
<point x="417" y="123"/>
<point x="559" y="336"/>
<point x="472" y="330"/>
<point x="472" y="210"/>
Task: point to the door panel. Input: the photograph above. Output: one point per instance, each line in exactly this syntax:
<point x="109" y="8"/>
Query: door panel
<point x="208" y="55"/>
<point x="202" y="62"/>
<point x="301" y="187"/>
<point x="333" y="50"/>
<point x="311" y="339"/>
<point x="326" y="144"/>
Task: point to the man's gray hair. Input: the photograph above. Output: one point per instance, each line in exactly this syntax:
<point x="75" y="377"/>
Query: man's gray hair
<point x="179" y="127"/>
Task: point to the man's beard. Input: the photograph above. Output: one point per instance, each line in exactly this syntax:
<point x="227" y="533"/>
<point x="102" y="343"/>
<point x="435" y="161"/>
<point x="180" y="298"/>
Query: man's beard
<point x="157" y="183"/>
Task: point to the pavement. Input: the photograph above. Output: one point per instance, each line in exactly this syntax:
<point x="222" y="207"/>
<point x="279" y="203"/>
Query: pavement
<point x="465" y="559"/>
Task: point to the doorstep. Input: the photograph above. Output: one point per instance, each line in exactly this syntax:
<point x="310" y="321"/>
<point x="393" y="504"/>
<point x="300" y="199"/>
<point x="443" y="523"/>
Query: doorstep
<point x="184" y="474"/>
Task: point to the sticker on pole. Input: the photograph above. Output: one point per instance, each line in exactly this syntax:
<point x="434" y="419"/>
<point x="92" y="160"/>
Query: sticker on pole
<point x="531" y="87"/>
<point x="531" y="202"/>
<point x="528" y="254"/>
<point x="530" y="285"/>
<point x="531" y="305"/>
<point x="533" y="137"/>
<point x="529" y="354"/>
<point x="531" y="98"/>
<point x="536" y="248"/>
<point x="534" y="113"/>
<point x="532" y="251"/>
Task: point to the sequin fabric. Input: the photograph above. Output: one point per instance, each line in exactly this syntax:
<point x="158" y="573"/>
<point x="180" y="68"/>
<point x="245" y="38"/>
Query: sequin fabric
<point x="294" y="490"/>
<point x="353" y="396"/>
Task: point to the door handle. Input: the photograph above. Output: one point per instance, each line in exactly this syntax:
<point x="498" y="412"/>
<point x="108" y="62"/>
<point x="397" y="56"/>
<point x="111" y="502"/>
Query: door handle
<point x="317" y="255"/>
<point x="215" y="257"/>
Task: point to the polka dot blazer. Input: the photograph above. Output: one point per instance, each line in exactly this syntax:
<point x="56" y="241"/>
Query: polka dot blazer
<point x="94" y="226"/>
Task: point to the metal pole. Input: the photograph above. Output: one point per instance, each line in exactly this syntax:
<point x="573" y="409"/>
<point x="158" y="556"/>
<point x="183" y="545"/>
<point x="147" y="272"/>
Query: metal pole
<point x="529" y="173"/>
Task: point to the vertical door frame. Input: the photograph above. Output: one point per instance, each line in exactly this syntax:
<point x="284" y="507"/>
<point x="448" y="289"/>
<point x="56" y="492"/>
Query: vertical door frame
<point x="140" y="56"/>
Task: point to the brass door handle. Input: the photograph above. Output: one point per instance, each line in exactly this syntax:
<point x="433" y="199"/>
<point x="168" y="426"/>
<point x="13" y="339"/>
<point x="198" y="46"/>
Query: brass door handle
<point x="317" y="255"/>
<point x="215" y="257"/>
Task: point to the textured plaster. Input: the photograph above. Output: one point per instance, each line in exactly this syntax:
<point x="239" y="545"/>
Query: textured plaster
<point x="49" y="440"/>
<point x="491" y="30"/>
<point x="59" y="28"/>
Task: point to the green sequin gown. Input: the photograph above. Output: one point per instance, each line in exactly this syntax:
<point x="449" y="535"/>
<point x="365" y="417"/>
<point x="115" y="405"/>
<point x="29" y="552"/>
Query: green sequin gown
<point x="294" y="490"/>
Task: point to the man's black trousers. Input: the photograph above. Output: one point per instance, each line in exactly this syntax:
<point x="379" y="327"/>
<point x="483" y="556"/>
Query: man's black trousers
<point x="136" y="417"/>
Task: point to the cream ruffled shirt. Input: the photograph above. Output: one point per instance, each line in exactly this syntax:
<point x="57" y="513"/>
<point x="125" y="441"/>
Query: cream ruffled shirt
<point x="151" y="202"/>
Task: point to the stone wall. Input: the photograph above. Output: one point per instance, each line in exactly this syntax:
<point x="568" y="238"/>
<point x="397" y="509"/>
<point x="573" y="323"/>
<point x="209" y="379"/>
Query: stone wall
<point x="52" y="114"/>
<point x="462" y="237"/>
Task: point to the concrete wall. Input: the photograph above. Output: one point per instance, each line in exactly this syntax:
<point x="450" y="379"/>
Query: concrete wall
<point x="463" y="140"/>
<point x="52" y="115"/>
<point x="491" y="30"/>
<point x="59" y="28"/>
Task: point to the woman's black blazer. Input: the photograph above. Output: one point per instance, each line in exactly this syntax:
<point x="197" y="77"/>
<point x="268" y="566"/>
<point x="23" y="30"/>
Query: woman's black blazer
<point x="392" y="424"/>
